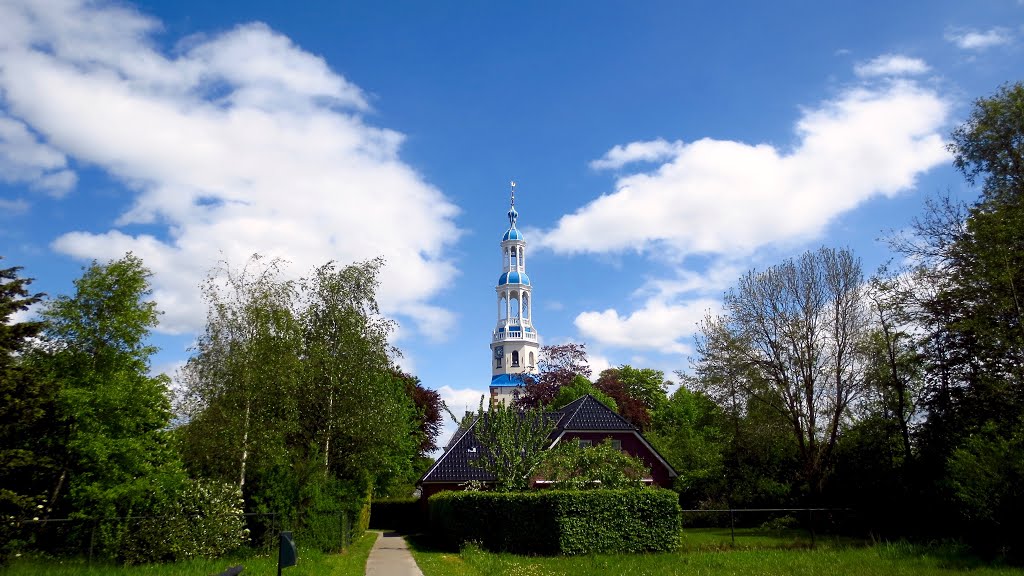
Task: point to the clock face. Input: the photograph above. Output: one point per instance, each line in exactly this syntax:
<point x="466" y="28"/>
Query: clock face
<point x="499" y="351"/>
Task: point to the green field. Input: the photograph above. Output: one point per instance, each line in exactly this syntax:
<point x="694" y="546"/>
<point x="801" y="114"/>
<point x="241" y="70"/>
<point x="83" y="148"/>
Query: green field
<point x="710" y="552"/>
<point x="351" y="562"/>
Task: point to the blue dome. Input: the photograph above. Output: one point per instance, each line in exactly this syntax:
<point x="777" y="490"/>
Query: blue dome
<point x="514" y="278"/>
<point x="512" y="234"/>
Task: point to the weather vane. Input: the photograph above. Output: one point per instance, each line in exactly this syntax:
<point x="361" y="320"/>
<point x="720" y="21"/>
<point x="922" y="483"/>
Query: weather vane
<point x="513" y="184"/>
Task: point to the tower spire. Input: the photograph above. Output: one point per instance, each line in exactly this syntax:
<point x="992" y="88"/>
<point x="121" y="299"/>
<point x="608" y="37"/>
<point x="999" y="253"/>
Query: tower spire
<point x="512" y="214"/>
<point x="514" y="342"/>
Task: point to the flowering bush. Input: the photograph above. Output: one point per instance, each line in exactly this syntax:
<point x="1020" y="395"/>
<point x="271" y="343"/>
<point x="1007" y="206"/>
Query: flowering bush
<point x="204" y="519"/>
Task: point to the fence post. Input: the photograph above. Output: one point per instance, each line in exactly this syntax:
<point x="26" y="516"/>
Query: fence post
<point x="732" y="527"/>
<point x="810" y="515"/>
<point x="92" y="539"/>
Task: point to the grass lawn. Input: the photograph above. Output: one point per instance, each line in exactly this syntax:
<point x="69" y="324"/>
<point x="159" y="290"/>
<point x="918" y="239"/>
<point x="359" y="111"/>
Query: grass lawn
<point x="351" y="562"/>
<point x="707" y="552"/>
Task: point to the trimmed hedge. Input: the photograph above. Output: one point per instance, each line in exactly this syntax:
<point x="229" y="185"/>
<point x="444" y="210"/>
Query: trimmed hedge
<point x="557" y="521"/>
<point x="402" y="514"/>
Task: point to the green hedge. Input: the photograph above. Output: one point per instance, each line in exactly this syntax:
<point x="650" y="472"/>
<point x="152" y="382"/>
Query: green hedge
<point x="558" y="522"/>
<point x="401" y="514"/>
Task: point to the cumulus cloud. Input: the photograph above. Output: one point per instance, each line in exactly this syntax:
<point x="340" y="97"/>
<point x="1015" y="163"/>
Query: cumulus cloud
<point x="23" y="158"/>
<point x="726" y="200"/>
<point x="726" y="197"/>
<point x="891" y="65"/>
<point x="979" y="40"/>
<point x="652" y="151"/>
<point x="657" y="326"/>
<point x="458" y="400"/>
<point x="235" y="143"/>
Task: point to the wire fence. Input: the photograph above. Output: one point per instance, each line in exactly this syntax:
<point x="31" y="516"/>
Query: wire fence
<point x="79" y="535"/>
<point x="794" y="524"/>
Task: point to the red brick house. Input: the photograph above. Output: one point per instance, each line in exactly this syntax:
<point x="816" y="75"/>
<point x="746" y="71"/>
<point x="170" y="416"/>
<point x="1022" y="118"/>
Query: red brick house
<point x="585" y="420"/>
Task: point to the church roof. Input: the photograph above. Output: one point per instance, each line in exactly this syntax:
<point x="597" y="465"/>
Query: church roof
<point x="512" y="234"/>
<point x="514" y="278"/>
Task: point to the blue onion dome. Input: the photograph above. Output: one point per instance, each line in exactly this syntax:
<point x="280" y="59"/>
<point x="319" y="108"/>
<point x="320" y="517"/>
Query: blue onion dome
<point x="512" y="234"/>
<point x="514" y="278"/>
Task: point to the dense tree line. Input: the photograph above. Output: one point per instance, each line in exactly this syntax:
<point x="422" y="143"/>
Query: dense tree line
<point x="292" y="406"/>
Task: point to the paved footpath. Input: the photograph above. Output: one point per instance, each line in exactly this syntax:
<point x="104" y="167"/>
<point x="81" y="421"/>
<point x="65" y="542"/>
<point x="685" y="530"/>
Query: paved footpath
<point x="390" y="556"/>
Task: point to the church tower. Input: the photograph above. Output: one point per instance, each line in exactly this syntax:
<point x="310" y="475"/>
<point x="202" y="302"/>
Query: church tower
<point x="514" y="347"/>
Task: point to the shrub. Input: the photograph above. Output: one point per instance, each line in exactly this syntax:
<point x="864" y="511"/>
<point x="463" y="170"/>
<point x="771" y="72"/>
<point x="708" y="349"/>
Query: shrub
<point x="572" y="467"/>
<point x="557" y="521"/>
<point x="402" y="514"/>
<point x="203" y="520"/>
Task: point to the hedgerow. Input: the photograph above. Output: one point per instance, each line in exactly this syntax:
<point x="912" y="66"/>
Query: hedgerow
<point x="558" y="521"/>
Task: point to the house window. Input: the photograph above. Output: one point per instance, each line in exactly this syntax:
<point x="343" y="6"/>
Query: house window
<point x="585" y="443"/>
<point x="497" y="362"/>
<point x="617" y="444"/>
<point x="531" y="361"/>
<point x="515" y="358"/>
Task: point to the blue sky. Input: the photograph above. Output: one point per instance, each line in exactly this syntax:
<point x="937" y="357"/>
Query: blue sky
<point x="661" y="149"/>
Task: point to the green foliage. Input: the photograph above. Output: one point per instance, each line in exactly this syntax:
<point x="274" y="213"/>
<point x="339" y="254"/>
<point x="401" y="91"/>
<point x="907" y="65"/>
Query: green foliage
<point x="989" y="144"/>
<point x="987" y="476"/>
<point x="402" y="514"/>
<point x="558" y="522"/>
<point x="513" y="442"/>
<point x="26" y="401"/>
<point x="112" y="449"/>
<point x="580" y="386"/>
<point x="688" y="431"/>
<point x="202" y="520"/>
<point x="637" y="392"/>
<point x="293" y="396"/>
<point x="572" y="467"/>
<point x="311" y="563"/>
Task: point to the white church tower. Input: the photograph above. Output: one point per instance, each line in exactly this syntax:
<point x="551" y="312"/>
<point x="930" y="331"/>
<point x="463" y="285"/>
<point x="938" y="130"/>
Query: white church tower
<point x="514" y="347"/>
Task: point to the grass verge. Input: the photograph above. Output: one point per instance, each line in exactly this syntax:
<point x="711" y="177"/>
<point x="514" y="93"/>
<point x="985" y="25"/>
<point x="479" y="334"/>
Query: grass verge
<point x="351" y="562"/>
<point x="706" y="554"/>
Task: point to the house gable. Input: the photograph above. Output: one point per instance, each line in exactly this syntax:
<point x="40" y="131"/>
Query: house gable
<point x="584" y="418"/>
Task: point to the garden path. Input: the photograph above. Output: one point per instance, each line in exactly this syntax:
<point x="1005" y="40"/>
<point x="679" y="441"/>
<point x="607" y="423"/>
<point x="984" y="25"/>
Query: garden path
<point x="390" y="556"/>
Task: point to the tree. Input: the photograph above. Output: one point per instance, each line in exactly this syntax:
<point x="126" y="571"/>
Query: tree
<point x="799" y="325"/>
<point x="688" y="431"/>
<point x="293" y="394"/>
<point x="242" y="380"/>
<point x="580" y="386"/>
<point x="559" y="365"/>
<point x="114" y="458"/>
<point x="430" y="410"/>
<point x="637" y="391"/>
<point x="513" y="442"/>
<point x="965" y="301"/>
<point x="26" y="399"/>
<point x="570" y="466"/>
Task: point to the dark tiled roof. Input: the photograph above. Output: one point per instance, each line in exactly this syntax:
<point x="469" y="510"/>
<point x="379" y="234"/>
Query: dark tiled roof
<point x="584" y="413"/>
<point x="454" y="465"/>
<point x="587" y="413"/>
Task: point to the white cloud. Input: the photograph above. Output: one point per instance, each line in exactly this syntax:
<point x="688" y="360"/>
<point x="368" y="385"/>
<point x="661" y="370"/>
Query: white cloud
<point x="729" y="198"/>
<point x="657" y="326"/>
<point x="652" y="151"/>
<point x="239" y="142"/>
<point x="598" y="363"/>
<point x="726" y="200"/>
<point x="13" y="207"/>
<point x="23" y="158"/>
<point x="891" y="65"/>
<point x="458" y="400"/>
<point x="979" y="40"/>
